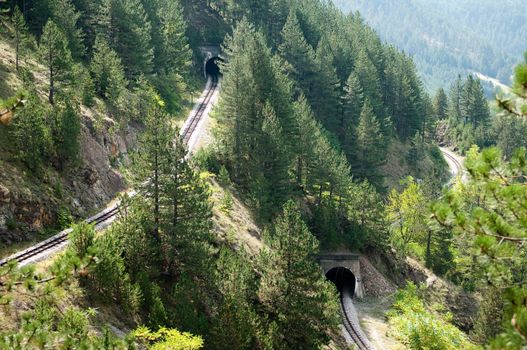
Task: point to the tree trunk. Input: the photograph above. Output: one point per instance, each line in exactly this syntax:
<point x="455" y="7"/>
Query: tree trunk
<point x="51" y="83"/>
<point x="156" y="196"/>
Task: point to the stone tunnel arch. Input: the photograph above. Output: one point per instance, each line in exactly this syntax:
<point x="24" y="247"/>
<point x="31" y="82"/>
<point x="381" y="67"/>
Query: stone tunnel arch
<point x="342" y="277"/>
<point x="343" y="261"/>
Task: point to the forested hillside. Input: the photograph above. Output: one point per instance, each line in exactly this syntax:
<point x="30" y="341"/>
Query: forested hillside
<point x="450" y="37"/>
<point x="324" y="139"/>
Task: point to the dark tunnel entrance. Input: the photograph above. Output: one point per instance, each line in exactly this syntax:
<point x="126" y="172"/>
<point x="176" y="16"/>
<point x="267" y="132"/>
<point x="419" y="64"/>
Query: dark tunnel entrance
<point x="342" y="277"/>
<point x="212" y="67"/>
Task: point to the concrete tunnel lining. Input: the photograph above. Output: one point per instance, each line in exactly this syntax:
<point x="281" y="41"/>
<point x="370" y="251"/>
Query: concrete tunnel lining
<point x="341" y="277"/>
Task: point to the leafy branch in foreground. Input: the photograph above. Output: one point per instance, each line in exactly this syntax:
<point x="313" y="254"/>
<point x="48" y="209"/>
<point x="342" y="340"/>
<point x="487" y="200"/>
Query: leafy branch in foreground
<point x="490" y="212"/>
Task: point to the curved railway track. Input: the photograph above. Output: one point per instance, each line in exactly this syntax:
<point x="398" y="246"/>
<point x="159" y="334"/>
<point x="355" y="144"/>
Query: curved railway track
<point x="59" y="240"/>
<point x="454" y="160"/>
<point x="350" y="321"/>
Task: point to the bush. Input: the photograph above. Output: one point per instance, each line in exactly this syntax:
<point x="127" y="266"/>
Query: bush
<point x="423" y="328"/>
<point x="207" y="159"/>
<point x="82" y="238"/>
<point x="110" y="278"/>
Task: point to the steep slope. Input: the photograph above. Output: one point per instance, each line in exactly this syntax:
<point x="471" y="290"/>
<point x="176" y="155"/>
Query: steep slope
<point x="29" y="205"/>
<point x="450" y="37"/>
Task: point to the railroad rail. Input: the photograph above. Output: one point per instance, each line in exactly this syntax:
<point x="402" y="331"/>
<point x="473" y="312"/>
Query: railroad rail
<point x="107" y="216"/>
<point x="455" y="161"/>
<point x="351" y="323"/>
<point x="191" y="126"/>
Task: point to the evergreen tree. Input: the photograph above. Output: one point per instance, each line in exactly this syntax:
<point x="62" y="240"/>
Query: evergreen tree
<point x="130" y="35"/>
<point x="21" y="35"/>
<point x="56" y="56"/>
<point x="153" y="158"/>
<point x="32" y="135"/>
<point x="234" y="280"/>
<point x="68" y="143"/>
<point x="67" y="17"/>
<point x="352" y="101"/>
<point x="325" y="95"/>
<point x="107" y="71"/>
<point x="441" y="106"/>
<point x="187" y="212"/>
<point x="176" y="55"/>
<point x="256" y="117"/>
<point x="370" y="82"/>
<point x="291" y="288"/>
<point x="369" y="153"/>
<point x="299" y="55"/>
<point x="490" y="221"/>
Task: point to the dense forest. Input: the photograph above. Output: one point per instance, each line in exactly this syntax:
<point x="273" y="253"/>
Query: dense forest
<point x="451" y="37"/>
<point x="312" y="103"/>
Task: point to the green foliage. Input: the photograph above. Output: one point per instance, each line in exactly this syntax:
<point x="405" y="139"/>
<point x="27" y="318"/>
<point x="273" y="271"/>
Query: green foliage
<point x="21" y="33"/>
<point x="420" y="327"/>
<point x="489" y="42"/>
<point x="488" y="214"/>
<point x="167" y="339"/>
<point x="107" y="71"/>
<point x="81" y="238"/>
<point x="369" y="146"/>
<point x="469" y="117"/>
<point x="291" y="288"/>
<point x="32" y="135"/>
<point x="65" y="15"/>
<point x="224" y="176"/>
<point x="407" y="213"/>
<point x="235" y="282"/>
<point x="56" y="56"/>
<point x="67" y="139"/>
<point x="109" y="277"/>
<point x="129" y="32"/>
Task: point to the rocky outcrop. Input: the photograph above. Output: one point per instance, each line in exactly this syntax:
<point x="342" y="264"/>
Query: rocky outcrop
<point x="461" y="304"/>
<point x="28" y="204"/>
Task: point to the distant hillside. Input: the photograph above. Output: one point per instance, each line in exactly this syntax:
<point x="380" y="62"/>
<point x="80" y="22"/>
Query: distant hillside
<point x="449" y="37"/>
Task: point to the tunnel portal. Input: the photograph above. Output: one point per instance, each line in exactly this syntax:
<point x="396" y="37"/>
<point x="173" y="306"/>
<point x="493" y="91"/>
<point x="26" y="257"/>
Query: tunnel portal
<point x="342" y="277"/>
<point x="212" y="67"/>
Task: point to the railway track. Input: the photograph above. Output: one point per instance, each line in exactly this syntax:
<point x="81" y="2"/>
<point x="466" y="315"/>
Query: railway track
<point x="191" y="126"/>
<point x="457" y="163"/>
<point x="350" y="321"/>
<point x="56" y="242"/>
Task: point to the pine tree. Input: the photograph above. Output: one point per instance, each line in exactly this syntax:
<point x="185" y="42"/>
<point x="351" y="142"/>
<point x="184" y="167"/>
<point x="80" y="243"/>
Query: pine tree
<point x="441" y="106"/>
<point x="326" y="88"/>
<point x="187" y="212"/>
<point x="370" y="82"/>
<point x="130" y="35"/>
<point x="352" y="102"/>
<point x="299" y="56"/>
<point x="32" y="135"/>
<point x="234" y="279"/>
<point x="291" y="287"/>
<point x="176" y="55"/>
<point x="153" y="158"/>
<point x="107" y="71"/>
<point x="56" y="56"/>
<point x="21" y="34"/>
<point x="66" y="17"/>
<point x="368" y="147"/>
<point x="68" y="143"/>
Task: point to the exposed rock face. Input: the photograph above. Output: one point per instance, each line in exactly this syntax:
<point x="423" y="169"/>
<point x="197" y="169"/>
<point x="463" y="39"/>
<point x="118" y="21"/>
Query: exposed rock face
<point x="28" y="204"/>
<point x="461" y="304"/>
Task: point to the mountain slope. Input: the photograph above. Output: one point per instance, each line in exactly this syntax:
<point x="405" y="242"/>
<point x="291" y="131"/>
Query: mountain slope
<point x="450" y="37"/>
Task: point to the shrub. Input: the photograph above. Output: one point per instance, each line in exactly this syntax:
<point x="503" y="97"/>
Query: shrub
<point x="423" y="328"/>
<point x="82" y="239"/>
